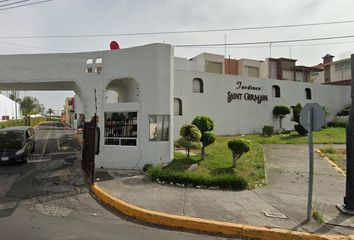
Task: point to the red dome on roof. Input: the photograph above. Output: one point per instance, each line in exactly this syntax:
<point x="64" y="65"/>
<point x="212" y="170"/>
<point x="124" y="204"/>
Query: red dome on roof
<point x="114" y="45"/>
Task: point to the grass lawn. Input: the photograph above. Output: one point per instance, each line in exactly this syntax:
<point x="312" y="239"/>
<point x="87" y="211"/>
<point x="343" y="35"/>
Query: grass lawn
<point x="338" y="156"/>
<point x="324" y="136"/>
<point x="250" y="166"/>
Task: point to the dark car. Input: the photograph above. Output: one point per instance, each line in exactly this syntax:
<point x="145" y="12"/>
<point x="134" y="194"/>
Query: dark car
<point x="16" y="143"/>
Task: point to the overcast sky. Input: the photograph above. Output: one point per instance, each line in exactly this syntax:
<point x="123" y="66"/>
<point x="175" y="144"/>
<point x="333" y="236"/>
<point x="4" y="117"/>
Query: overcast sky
<point x="68" y="17"/>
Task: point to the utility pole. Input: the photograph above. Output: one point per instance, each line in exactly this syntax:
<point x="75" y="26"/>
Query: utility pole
<point x="348" y="206"/>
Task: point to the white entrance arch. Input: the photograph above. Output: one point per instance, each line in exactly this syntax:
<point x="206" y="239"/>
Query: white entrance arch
<point x="147" y="92"/>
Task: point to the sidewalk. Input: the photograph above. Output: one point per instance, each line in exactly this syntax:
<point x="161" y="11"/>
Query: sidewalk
<point x="281" y="203"/>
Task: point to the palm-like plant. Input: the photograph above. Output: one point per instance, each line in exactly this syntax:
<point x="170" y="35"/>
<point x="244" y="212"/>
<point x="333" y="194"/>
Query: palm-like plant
<point x="50" y="112"/>
<point x="27" y="106"/>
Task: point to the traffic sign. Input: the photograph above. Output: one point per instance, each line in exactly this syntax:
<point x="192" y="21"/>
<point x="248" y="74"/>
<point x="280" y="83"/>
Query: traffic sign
<point x="313" y="114"/>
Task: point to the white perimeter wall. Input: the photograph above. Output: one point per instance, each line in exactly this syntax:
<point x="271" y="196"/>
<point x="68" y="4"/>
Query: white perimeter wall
<point x="241" y="116"/>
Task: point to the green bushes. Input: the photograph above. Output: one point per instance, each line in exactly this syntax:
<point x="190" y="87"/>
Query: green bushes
<point x="296" y="118"/>
<point x="205" y="126"/>
<point x="268" y="130"/>
<point x="21" y="122"/>
<point x="281" y="111"/>
<point x="190" y="138"/>
<point x="225" y="181"/>
<point x="238" y="147"/>
<point x="339" y="122"/>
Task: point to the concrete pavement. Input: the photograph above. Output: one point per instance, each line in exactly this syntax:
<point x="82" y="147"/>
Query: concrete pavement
<point x="281" y="204"/>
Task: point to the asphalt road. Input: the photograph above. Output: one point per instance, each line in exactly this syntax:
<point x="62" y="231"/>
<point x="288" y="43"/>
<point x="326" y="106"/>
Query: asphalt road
<point x="36" y="204"/>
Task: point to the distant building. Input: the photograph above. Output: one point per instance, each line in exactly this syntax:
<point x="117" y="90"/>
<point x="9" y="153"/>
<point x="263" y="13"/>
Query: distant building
<point x="69" y="111"/>
<point x="334" y="72"/>
<point x="7" y="108"/>
<point x="271" y="68"/>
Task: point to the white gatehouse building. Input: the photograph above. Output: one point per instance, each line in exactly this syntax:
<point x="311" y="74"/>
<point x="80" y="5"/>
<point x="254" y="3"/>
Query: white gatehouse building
<point x="143" y="95"/>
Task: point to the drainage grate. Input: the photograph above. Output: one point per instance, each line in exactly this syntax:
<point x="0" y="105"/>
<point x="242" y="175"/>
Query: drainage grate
<point x="275" y="215"/>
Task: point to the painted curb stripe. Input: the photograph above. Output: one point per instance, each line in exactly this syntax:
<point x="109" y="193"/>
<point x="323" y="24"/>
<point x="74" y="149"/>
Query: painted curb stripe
<point x="209" y="226"/>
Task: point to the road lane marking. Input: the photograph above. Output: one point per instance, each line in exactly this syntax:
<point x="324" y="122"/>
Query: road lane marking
<point x="41" y="160"/>
<point x="45" y="144"/>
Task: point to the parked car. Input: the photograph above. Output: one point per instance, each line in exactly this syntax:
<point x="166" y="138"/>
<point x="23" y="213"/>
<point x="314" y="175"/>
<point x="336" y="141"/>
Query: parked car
<point x="16" y="143"/>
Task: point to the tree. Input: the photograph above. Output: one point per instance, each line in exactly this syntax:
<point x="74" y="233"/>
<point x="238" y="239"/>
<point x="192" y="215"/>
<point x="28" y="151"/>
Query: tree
<point x="238" y="147"/>
<point x="50" y="112"/>
<point x="190" y="138"/>
<point x="205" y="126"/>
<point x="27" y="106"/>
<point x="281" y="111"/>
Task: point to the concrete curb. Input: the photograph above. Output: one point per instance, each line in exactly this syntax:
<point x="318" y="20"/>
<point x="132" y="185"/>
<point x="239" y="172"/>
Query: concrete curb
<point x="208" y="226"/>
<point x="333" y="164"/>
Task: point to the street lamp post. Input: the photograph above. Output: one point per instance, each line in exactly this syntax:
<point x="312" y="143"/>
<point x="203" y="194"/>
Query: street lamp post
<point x="348" y="206"/>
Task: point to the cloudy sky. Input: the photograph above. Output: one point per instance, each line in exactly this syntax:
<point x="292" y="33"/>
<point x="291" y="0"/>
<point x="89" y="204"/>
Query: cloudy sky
<point x="84" y="17"/>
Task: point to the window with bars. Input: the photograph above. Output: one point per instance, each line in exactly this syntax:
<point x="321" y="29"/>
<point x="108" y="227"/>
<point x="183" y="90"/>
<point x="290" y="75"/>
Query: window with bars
<point x="121" y="128"/>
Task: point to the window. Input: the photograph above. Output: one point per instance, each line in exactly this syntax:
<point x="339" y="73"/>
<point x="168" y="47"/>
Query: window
<point x="121" y="128"/>
<point x="252" y="71"/>
<point x="159" y="127"/>
<point x="213" y="67"/>
<point x="98" y="70"/>
<point x="198" y="85"/>
<point x="342" y="66"/>
<point x="98" y="60"/>
<point x="89" y="61"/>
<point x="276" y="91"/>
<point x="89" y="70"/>
<point x="308" y="93"/>
<point x="177" y="104"/>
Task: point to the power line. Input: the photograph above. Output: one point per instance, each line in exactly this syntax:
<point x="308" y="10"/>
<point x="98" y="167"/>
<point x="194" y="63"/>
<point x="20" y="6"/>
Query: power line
<point x="13" y="3"/>
<point x="29" y="46"/>
<point x="27" y="4"/>
<point x="178" y="32"/>
<point x="263" y="42"/>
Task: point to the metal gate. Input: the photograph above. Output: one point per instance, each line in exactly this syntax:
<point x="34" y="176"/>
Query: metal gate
<point x="88" y="151"/>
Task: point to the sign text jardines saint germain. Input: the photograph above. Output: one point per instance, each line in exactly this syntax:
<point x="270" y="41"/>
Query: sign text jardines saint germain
<point x="259" y="98"/>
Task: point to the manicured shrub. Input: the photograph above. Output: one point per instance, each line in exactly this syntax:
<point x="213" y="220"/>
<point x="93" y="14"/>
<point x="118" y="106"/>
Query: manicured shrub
<point x="268" y="130"/>
<point x="226" y="181"/>
<point x="296" y="118"/>
<point x="296" y="113"/>
<point x="190" y="138"/>
<point x="238" y="147"/>
<point x="205" y="126"/>
<point x="204" y="123"/>
<point x="281" y="111"/>
<point x="300" y="129"/>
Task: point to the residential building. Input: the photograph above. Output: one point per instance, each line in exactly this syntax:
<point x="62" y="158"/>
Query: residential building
<point x="7" y="108"/>
<point x="69" y="109"/>
<point x="334" y="72"/>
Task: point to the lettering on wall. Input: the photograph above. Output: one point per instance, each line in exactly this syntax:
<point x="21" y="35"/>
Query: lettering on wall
<point x="247" y="96"/>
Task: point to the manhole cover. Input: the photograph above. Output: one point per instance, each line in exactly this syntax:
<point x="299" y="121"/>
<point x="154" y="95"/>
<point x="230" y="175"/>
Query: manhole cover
<point x="275" y="215"/>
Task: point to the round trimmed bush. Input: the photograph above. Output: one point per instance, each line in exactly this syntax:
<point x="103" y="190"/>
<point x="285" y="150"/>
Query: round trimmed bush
<point x="190" y="132"/>
<point x="203" y="123"/>
<point x="300" y="129"/>
<point x="281" y="110"/>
